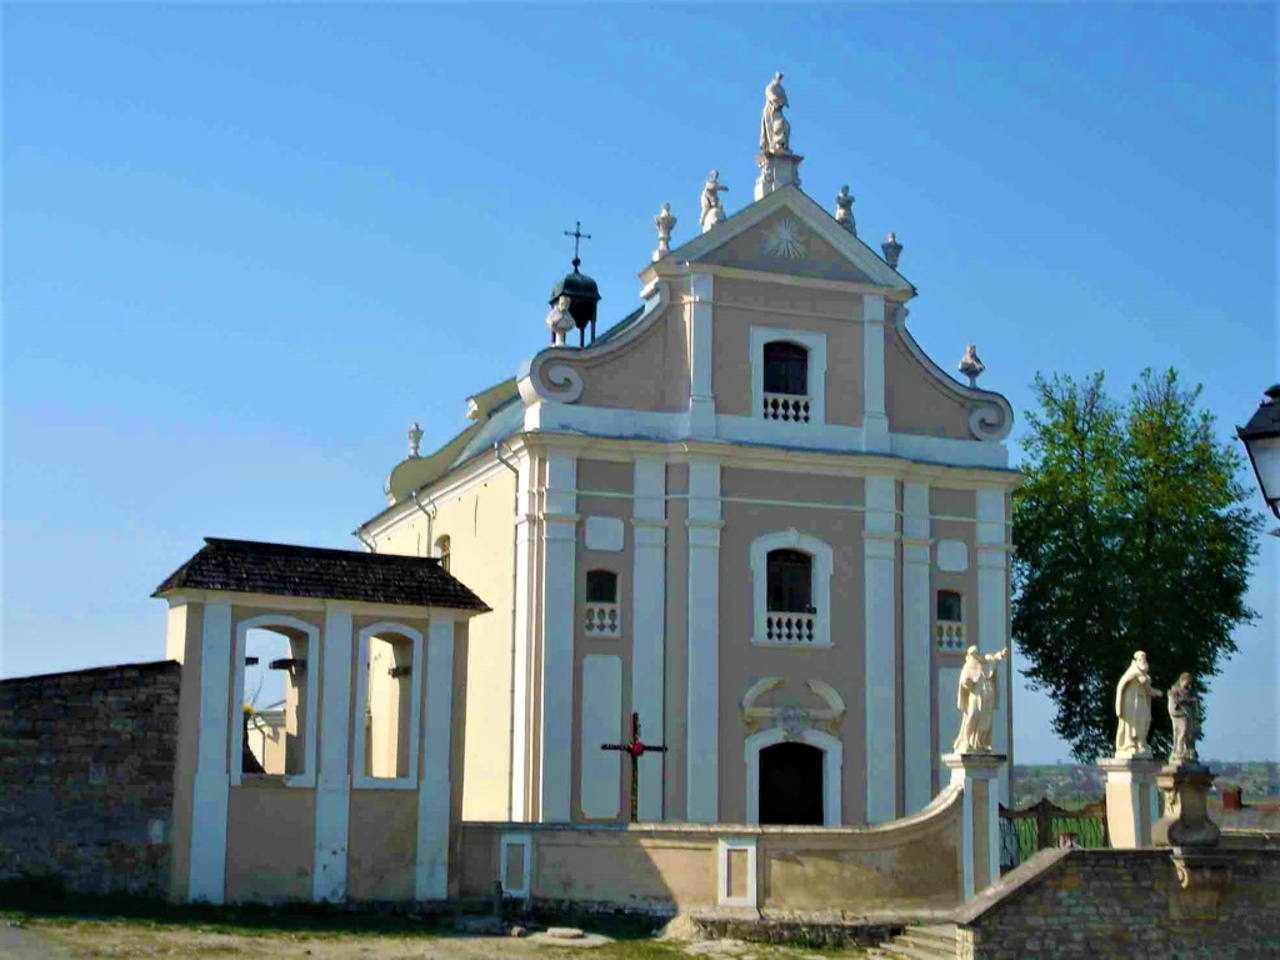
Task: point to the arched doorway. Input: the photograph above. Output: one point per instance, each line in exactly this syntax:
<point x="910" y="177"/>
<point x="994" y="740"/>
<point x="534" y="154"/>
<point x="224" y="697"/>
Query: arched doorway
<point x="791" y="786"/>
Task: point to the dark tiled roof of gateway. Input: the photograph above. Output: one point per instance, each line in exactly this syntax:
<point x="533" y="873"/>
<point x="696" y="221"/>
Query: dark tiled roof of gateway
<point x="247" y="566"/>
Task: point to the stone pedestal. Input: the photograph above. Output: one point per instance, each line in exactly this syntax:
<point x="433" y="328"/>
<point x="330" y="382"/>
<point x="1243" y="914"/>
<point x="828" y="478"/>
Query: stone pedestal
<point x="776" y="170"/>
<point x="1132" y="800"/>
<point x="978" y="774"/>
<point x="1186" y="822"/>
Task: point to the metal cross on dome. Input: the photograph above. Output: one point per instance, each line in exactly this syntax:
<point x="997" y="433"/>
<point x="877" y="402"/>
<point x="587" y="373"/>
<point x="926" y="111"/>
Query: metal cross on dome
<point x="578" y="236"/>
<point x="635" y="750"/>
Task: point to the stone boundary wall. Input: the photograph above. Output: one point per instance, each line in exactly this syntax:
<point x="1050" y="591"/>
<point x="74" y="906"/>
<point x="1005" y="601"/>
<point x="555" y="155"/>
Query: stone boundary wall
<point x="1128" y="903"/>
<point x="906" y="868"/>
<point x="87" y="776"/>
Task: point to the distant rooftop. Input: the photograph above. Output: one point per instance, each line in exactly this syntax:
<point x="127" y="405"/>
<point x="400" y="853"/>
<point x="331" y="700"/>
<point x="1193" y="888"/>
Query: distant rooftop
<point x="281" y="569"/>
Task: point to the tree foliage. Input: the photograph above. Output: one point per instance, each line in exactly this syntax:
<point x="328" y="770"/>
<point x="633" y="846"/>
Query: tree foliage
<point x="1131" y="532"/>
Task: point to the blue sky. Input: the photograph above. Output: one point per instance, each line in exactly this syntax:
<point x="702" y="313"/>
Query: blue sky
<point x="245" y="246"/>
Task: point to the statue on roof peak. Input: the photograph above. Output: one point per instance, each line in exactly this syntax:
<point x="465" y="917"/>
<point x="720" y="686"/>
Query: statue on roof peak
<point x="775" y="130"/>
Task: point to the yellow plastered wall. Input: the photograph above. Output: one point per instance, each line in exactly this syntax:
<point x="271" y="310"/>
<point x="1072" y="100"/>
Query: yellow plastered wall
<point x="479" y="522"/>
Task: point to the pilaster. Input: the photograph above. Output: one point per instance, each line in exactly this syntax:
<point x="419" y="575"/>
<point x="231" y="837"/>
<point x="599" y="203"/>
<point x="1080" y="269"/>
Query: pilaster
<point x="879" y="536"/>
<point x="702" y="401"/>
<point x="703" y="695"/>
<point x="875" y="421"/>
<point x="435" y="788"/>
<point x="917" y="647"/>
<point x="207" y="880"/>
<point x="521" y="685"/>
<point x="559" y="558"/>
<point x="648" y="619"/>
<point x="333" y="781"/>
<point x="992" y="547"/>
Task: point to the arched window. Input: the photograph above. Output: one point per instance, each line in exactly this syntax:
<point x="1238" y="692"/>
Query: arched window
<point x="389" y="704"/>
<point x="790" y="575"/>
<point x="442" y="552"/>
<point x="601" y="616"/>
<point x="786" y="368"/>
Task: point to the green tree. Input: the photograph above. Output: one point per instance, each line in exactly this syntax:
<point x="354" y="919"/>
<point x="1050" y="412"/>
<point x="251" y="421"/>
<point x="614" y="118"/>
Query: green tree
<point x="1131" y="532"/>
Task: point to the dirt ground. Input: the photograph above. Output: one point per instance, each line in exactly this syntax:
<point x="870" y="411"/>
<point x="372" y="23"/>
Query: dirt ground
<point x="77" y="939"/>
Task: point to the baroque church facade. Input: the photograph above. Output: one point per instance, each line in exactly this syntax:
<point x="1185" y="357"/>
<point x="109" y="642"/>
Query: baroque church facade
<point x="752" y="514"/>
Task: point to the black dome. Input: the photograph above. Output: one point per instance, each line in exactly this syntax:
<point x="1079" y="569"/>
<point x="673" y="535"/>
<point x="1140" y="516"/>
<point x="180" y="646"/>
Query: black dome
<point x="583" y="294"/>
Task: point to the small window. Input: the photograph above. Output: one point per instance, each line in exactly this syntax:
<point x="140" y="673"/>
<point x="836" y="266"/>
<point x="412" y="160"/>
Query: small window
<point x="388" y="706"/>
<point x="602" y="586"/>
<point x="950" y="607"/>
<point x="786" y="368"/>
<point x="790" y="574"/>
<point x="442" y="552"/>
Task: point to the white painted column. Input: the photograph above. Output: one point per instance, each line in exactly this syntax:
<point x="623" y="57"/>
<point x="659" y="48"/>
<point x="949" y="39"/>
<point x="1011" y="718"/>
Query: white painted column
<point x="702" y="402"/>
<point x="875" y="422"/>
<point x="703" y="697"/>
<point x="968" y="770"/>
<point x="559" y="558"/>
<point x="879" y="535"/>
<point x="333" y="781"/>
<point x="648" y="621"/>
<point x="917" y="647"/>
<point x="993" y="611"/>
<point x="435" y="791"/>
<point x="521" y="682"/>
<point x="207" y="880"/>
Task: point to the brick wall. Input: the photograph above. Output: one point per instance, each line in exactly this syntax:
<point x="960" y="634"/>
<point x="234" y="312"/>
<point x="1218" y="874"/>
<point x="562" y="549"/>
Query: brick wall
<point x="1126" y="904"/>
<point x="86" y="776"/>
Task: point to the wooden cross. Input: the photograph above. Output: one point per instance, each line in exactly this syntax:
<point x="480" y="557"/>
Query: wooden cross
<point x="577" y="235"/>
<point x="635" y="750"/>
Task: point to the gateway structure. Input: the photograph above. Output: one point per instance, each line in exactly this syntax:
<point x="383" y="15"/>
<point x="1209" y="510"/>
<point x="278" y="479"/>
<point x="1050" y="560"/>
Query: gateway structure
<point x="753" y="513"/>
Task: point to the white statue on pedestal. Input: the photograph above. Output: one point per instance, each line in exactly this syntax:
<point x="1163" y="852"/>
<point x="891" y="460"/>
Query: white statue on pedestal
<point x="775" y="130"/>
<point x="1183" y="712"/>
<point x="1133" y="708"/>
<point x="844" y="209"/>
<point x="712" y="209"/>
<point x="976" y="699"/>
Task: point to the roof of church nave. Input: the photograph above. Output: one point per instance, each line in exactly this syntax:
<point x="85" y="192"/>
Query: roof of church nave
<point x="289" y="570"/>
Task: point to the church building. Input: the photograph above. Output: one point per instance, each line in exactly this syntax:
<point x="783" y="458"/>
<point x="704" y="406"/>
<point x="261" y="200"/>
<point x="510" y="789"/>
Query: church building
<point x="752" y="514"/>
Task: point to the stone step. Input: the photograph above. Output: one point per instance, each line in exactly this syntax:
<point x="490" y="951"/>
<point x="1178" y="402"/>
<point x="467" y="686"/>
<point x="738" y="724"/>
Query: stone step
<point x="928" y="941"/>
<point x="899" y="950"/>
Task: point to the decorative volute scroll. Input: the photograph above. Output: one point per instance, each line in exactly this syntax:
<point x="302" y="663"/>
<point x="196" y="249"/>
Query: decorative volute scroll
<point x="555" y="374"/>
<point x="990" y="418"/>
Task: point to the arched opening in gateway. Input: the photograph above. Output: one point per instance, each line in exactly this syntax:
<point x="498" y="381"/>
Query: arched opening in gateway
<point x="791" y="784"/>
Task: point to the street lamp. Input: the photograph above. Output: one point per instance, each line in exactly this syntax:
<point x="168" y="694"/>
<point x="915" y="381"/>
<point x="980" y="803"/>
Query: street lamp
<point x="1261" y="436"/>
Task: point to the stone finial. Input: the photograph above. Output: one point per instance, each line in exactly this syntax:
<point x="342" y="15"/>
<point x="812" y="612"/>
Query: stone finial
<point x="970" y="365"/>
<point x="664" y="221"/>
<point x="560" y="320"/>
<point x="712" y="209"/>
<point x="844" y="210"/>
<point x="892" y="250"/>
<point x="415" y="439"/>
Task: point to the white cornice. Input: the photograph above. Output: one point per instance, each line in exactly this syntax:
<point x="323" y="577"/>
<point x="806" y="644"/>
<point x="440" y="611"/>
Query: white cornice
<point x="271" y="601"/>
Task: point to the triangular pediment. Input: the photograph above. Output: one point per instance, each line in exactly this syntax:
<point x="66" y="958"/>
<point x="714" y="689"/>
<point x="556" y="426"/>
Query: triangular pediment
<point x="787" y="233"/>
